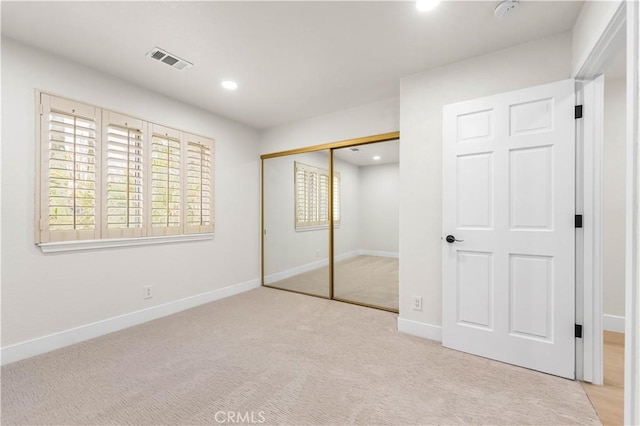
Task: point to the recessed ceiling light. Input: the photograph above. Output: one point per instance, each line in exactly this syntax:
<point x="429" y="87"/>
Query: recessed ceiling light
<point x="427" y="5"/>
<point x="229" y="85"/>
<point x="376" y="157"/>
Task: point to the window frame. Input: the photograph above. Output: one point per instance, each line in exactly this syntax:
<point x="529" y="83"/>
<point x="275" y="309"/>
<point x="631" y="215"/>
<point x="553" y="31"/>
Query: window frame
<point x="101" y="236"/>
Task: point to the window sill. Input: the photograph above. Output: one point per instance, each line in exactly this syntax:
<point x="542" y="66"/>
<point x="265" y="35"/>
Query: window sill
<point x="71" y="246"/>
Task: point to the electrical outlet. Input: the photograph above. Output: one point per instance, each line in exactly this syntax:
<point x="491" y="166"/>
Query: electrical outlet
<point x="317" y="253"/>
<point x="147" y="292"/>
<point x="417" y="303"/>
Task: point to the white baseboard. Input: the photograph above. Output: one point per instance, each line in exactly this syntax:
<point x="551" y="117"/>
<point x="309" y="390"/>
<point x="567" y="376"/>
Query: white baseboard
<point x="288" y="273"/>
<point x="378" y="253"/>
<point x="613" y="323"/>
<point x="40" y="345"/>
<point x="420" y="329"/>
<point x="272" y="278"/>
<point x="347" y="255"/>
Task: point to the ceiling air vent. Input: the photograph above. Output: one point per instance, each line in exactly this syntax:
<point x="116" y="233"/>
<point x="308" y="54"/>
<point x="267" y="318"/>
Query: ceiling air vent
<point x="168" y="58"/>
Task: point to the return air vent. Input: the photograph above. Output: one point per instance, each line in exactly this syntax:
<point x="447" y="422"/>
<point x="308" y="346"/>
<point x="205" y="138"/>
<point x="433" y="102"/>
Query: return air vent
<point x="168" y="58"/>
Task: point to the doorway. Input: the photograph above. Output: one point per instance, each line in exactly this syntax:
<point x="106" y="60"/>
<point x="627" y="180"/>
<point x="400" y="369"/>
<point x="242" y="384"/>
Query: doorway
<point x="608" y="396"/>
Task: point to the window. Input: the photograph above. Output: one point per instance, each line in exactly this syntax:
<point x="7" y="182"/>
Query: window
<point x="69" y="158"/>
<point x="104" y="175"/>
<point x="199" y="184"/>
<point x="124" y="150"/>
<point x="312" y="196"/>
<point x="166" y="181"/>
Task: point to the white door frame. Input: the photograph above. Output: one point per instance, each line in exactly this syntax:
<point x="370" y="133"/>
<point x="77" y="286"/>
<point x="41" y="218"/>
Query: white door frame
<point x="589" y="180"/>
<point x="603" y="51"/>
<point x="632" y="284"/>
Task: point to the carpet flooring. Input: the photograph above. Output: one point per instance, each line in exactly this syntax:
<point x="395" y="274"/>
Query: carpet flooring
<point x="371" y="280"/>
<point x="283" y="358"/>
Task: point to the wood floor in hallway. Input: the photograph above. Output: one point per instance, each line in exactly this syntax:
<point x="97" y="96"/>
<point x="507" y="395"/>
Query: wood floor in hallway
<point x="608" y="399"/>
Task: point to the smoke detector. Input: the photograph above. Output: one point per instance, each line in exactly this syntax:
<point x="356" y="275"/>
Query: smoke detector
<point x="168" y="58"/>
<point x="505" y="8"/>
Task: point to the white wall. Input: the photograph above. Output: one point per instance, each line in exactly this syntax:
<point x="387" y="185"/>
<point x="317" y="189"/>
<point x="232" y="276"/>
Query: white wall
<point x="48" y="294"/>
<point x="422" y="98"/>
<point x="379" y="208"/>
<point x="614" y="196"/>
<point x="366" y="120"/>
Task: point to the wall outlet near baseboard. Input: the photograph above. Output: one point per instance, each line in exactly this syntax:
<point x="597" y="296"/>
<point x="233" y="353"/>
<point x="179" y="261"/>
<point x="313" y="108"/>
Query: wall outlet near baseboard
<point x="147" y="292"/>
<point x="416" y="303"/>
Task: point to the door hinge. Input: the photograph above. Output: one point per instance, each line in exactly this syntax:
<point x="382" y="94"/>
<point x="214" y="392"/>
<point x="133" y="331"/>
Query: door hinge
<point x="579" y="331"/>
<point x="41" y="109"/>
<point x="578" y="111"/>
<point x="578" y="221"/>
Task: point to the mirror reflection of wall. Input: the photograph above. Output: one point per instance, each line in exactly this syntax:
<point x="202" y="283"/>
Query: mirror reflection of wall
<point x="296" y="237"/>
<point x="366" y="241"/>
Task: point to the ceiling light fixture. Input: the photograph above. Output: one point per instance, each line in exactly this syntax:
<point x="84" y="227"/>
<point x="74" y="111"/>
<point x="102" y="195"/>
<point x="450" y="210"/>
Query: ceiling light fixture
<point x="427" y="5"/>
<point x="376" y="157"/>
<point x="229" y="85"/>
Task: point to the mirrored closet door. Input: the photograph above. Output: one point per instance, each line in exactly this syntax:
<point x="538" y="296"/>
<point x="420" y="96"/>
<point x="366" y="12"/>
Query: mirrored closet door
<point x="296" y="223"/>
<point x="330" y="221"/>
<point x="366" y="237"/>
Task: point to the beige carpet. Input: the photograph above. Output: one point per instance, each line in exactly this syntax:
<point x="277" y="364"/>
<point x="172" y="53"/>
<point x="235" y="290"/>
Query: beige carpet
<point x="289" y="358"/>
<point x="365" y="279"/>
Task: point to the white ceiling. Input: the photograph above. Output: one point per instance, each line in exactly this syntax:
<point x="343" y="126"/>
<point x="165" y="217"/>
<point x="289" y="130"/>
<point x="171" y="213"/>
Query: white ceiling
<point x="292" y="60"/>
<point x="389" y="152"/>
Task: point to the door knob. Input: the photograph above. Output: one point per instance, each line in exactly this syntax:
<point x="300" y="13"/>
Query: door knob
<point x="451" y="239"/>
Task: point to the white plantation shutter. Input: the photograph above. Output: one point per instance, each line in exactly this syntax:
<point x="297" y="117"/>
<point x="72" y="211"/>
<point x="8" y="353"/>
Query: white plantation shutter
<point x="124" y="176"/>
<point x="199" y="188"/>
<point x="166" y="181"/>
<point x="323" y="198"/>
<point x="301" y="197"/>
<point x="69" y="169"/>
<point x="307" y="183"/>
<point x="312" y="196"/>
<point x="336" y="198"/>
<point x="105" y="175"/>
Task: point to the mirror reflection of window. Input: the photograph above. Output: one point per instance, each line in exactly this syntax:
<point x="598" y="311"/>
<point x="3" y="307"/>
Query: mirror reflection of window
<point x="312" y="196"/>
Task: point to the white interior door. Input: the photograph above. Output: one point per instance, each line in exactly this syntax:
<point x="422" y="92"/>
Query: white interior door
<point x="509" y="196"/>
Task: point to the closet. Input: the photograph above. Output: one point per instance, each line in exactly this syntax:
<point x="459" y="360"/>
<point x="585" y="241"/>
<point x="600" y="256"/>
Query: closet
<point x="330" y="221"/>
